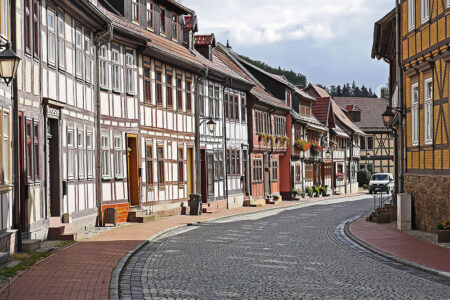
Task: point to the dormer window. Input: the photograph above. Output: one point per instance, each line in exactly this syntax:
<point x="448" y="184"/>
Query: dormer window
<point x="162" y="21"/>
<point x="174" y="26"/>
<point x="149" y="10"/>
<point x="135" y="10"/>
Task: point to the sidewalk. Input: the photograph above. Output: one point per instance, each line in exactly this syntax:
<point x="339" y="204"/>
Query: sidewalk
<point x="387" y="239"/>
<point x="83" y="271"/>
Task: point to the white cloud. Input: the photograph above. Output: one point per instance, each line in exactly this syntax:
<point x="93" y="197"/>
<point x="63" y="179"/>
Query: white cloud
<point x="263" y="22"/>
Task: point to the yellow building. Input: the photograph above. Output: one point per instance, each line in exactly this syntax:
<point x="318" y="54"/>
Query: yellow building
<point x="424" y="57"/>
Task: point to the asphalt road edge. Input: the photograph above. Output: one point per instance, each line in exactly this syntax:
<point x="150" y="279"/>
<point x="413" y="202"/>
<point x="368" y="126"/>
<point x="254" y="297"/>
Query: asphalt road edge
<point x="389" y="256"/>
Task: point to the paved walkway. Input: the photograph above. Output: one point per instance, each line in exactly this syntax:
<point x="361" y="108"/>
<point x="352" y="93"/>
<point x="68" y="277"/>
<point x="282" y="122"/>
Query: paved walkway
<point x="83" y="271"/>
<point x="385" y="238"/>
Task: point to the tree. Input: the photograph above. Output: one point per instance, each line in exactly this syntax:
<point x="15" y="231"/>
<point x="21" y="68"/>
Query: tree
<point x="385" y="93"/>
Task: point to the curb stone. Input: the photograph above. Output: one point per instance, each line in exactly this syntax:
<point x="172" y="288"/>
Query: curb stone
<point x="389" y="256"/>
<point x="115" y="276"/>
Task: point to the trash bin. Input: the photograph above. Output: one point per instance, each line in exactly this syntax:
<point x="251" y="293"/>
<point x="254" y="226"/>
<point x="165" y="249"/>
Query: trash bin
<point x="195" y="204"/>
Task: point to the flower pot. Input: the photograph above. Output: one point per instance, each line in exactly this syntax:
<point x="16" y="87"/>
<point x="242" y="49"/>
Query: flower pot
<point x="444" y="236"/>
<point x="380" y="219"/>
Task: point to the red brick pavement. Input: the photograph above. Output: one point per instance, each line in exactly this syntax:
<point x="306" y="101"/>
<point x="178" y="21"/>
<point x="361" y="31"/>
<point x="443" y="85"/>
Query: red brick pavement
<point x="386" y="238"/>
<point x="83" y="271"/>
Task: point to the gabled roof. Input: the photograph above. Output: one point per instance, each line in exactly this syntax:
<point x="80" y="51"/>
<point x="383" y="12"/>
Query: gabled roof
<point x="316" y="91"/>
<point x="321" y="109"/>
<point x="308" y="120"/>
<point x="384" y="37"/>
<point x="371" y="111"/>
<point x="228" y="57"/>
<point x="154" y="42"/>
<point x="190" y="23"/>
<point x="342" y="117"/>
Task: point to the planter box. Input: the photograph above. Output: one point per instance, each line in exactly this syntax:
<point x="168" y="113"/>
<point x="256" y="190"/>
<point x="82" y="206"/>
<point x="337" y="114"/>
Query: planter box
<point x="380" y="219"/>
<point x="444" y="236"/>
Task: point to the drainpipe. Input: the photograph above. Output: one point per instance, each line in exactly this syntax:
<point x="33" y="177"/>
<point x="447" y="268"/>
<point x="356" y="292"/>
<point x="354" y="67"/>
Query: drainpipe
<point x="107" y="33"/>
<point x="224" y="134"/>
<point x="400" y="95"/>
<point x="198" y="181"/>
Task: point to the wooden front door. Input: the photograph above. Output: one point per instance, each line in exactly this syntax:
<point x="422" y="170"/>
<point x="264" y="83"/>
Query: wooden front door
<point x="190" y="171"/>
<point x="133" y="169"/>
<point x="53" y="160"/>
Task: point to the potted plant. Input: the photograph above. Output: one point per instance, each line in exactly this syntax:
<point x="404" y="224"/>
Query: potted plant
<point x="381" y="216"/>
<point x="309" y="191"/>
<point x="270" y="138"/>
<point x="323" y="190"/>
<point x="262" y="137"/>
<point x="340" y="176"/>
<point x="302" y="145"/>
<point x="316" y="191"/>
<point x="278" y="138"/>
<point x="315" y="150"/>
<point x="443" y="231"/>
<point x="285" y="141"/>
<point x="276" y="197"/>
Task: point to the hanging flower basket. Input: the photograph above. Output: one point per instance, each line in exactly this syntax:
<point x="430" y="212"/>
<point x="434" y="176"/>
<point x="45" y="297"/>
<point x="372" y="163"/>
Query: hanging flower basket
<point x="340" y="176"/>
<point x="262" y="137"/>
<point x="285" y="141"/>
<point x="270" y="138"/>
<point x="302" y="145"/>
<point x="315" y="150"/>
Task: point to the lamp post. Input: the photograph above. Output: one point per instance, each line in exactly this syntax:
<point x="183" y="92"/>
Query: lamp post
<point x="9" y="63"/>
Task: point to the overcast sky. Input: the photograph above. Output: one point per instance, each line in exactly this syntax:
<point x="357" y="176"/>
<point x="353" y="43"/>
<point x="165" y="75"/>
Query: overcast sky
<point x="328" y="41"/>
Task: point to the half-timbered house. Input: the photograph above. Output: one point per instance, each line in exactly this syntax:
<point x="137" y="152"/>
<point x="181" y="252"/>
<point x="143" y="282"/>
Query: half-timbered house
<point x="424" y="93"/>
<point x="222" y="99"/>
<point x="266" y="127"/>
<point x="377" y="148"/>
<point x="163" y="169"/>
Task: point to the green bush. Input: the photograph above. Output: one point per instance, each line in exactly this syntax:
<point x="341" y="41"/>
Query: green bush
<point x="309" y="191"/>
<point x="363" y="177"/>
<point x="316" y="191"/>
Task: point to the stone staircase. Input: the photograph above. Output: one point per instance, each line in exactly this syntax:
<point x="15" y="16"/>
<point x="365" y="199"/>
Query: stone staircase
<point x="140" y="216"/>
<point x="59" y="231"/>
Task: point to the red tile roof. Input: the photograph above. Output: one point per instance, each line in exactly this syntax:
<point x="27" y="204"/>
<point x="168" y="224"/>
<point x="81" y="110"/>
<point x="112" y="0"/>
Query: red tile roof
<point x="371" y="111"/>
<point x="190" y="23"/>
<point x="321" y="109"/>
<point x="205" y="39"/>
<point x="154" y="41"/>
<point x="344" y="119"/>
<point x="316" y="91"/>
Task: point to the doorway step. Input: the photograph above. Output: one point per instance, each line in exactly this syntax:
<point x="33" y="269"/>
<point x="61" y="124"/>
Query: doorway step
<point x="58" y="231"/>
<point x="140" y="216"/>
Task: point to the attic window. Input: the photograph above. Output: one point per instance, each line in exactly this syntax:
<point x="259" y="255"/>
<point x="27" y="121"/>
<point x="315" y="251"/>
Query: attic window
<point x="135" y="10"/>
<point x="149" y="10"/>
<point x="174" y="26"/>
<point x="162" y="21"/>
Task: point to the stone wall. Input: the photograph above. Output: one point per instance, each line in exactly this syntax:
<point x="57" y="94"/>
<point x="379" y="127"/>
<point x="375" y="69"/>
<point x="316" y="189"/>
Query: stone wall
<point x="431" y="198"/>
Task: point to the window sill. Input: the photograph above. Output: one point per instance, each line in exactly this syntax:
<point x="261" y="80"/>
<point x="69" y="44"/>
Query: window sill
<point x="115" y="91"/>
<point x="150" y="29"/>
<point x="5" y="187"/>
<point x="104" y="88"/>
<point x="106" y="178"/>
<point x="119" y="177"/>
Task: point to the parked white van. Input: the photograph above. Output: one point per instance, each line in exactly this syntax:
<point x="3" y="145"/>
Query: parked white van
<point x="381" y="182"/>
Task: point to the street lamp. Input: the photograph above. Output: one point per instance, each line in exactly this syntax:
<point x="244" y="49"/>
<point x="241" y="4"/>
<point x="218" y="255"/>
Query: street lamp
<point x="9" y="62"/>
<point x="211" y="125"/>
<point x="328" y="153"/>
<point x="388" y="117"/>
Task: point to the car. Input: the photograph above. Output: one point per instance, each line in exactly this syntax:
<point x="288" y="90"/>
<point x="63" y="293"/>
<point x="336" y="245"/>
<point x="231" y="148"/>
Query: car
<point x="381" y="182"/>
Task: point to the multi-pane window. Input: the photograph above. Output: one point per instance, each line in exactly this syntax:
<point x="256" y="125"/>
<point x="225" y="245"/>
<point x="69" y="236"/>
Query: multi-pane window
<point x="78" y="53"/>
<point x="309" y="172"/>
<point x="238" y="163"/>
<point x="149" y="163"/>
<point x="257" y="170"/>
<point x="174" y="26"/>
<point x="147" y="86"/>
<point x="6" y="160"/>
<point x="369" y="143"/>
<point x="90" y="155"/>
<point x="188" y="95"/>
<point x="233" y="162"/>
<point x="279" y="125"/>
<point x="428" y="111"/>
<point x="243" y="109"/>
<point x="305" y="108"/>
<point x="411" y="14"/>
<point x="105" y="157"/>
<point x="288" y="97"/>
<point x="179" y="94"/>
<point x="363" y="143"/>
<point x="61" y="43"/>
<point x="118" y="163"/>
<point x="211" y="100"/>
<point x="262" y="122"/>
<point x="228" y="161"/>
<point x="36" y="150"/>
<point x="216" y="102"/>
<point x="216" y="165"/>
<point x="80" y="154"/>
<point x="180" y="166"/>
<point x="87" y="57"/>
<point x="236" y="107"/>
<point x="116" y="72"/>
<point x="158" y="87"/>
<point x="274" y="170"/>
<point x="201" y="91"/>
<point x="51" y="37"/>
<point x="415" y="114"/>
<point x="70" y="154"/>
<point x="103" y="67"/>
<point x="425" y="10"/>
<point x="160" y="157"/>
<point x="28" y="28"/>
<point x="210" y="172"/>
<point x="227" y="105"/>
<point x="162" y="20"/>
<point x="169" y="92"/>
<point x="149" y="14"/>
<point x="36" y="27"/>
<point x="4" y="21"/>
<point x="220" y="165"/>
<point x="130" y="73"/>
<point x="135" y="10"/>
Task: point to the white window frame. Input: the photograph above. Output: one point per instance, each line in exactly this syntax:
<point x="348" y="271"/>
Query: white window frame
<point x="78" y="53"/>
<point x="51" y="37"/>
<point x="61" y="42"/>
<point x="129" y="59"/>
<point x="411" y="15"/>
<point x="5" y="18"/>
<point x="70" y="153"/>
<point x="425" y="10"/>
<point x="89" y="155"/>
<point x="116" y="72"/>
<point x="415" y="95"/>
<point x="118" y="156"/>
<point x="80" y="154"/>
<point x="428" y="111"/>
<point x="87" y="58"/>
<point x="103" y="67"/>
<point x="6" y="144"/>
<point x="105" y="156"/>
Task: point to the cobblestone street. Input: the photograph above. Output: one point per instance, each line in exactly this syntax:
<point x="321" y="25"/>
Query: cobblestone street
<point x="285" y="254"/>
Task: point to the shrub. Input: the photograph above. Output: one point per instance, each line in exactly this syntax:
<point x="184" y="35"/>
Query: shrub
<point x="365" y="186"/>
<point x="363" y="177"/>
<point x="444" y="225"/>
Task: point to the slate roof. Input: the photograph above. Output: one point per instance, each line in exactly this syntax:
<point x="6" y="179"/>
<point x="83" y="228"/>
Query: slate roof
<point x="154" y="41"/>
<point x="371" y="111"/>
